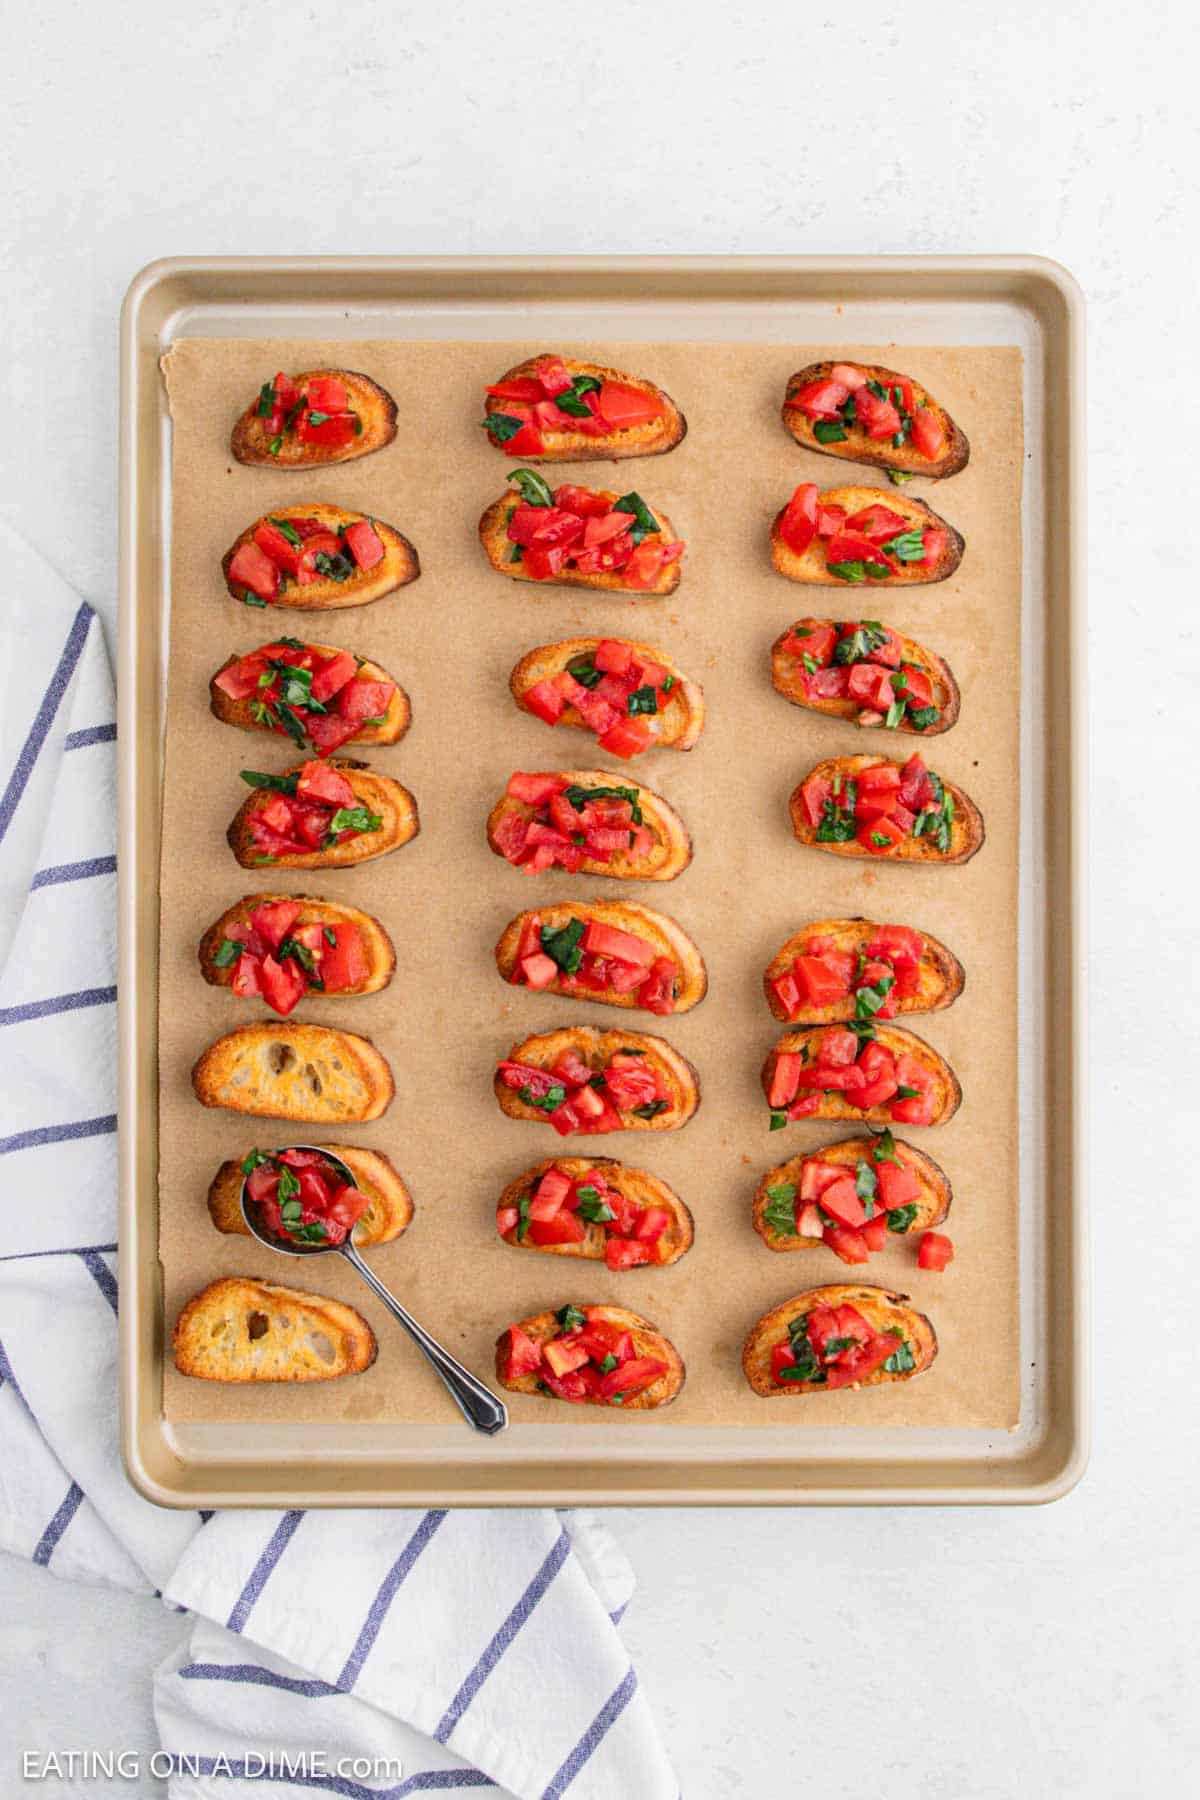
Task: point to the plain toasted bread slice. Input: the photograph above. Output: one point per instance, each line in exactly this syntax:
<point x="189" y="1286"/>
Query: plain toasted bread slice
<point x="648" y="1340"/>
<point x="939" y="982"/>
<point x="966" y="827"/>
<point x="400" y="563"/>
<point x="287" y="1070"/>
<point x="788" y="677"/>
<point x="882" y="1310"/>
<point x="667" y="938"/>
<point x="377" y="945"/>
<point x="241" y="1329"/>
<point x="542" y="1051"/>
<point x="676" y="726"/>
<point x="812" y="567"/>
<point x="947" y="1089"/>
<point x="653" y="438"/>
<point x="636" y="1184"/>
<point x="931" y="1207"/>
<point x="672" y="849"/>
<point x="388" y="1215"/>
<point x="493" y="535"/>
<point x="858" y="447"/>
<point x="391" y="728"/>
<point x="251" y="440"/>
<point x="378" y="793"/>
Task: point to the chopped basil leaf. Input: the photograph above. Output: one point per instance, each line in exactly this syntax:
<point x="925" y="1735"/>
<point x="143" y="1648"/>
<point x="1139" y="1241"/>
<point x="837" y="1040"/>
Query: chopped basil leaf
<point x="945" y="822"/>
<point x="578" y="797"/>
<point x="884" y="1147"/>
<point x="571" y="1318"/>
<point x="811" y="665"/>
<point x="266" y="400"/>
<point x="571" y="399"/>
<point x="252" y="599"/>
<point x="292" y="725"/>
<point x="877" y="388"/>
<point x="293" y="537"/>
<point x="642" y="700"/>
<point x="352" y="818"/>
<point x="584" y="670"/>
<point x="881" y="839"/>
<point x="907" y="546"/>
<point x="275" y="446"/>
<point x="901" y="1217"/>
<point x="228" y="951"/>
<point x="835" y="1346"/>
<point x="778" y="1121"/>
<point x="592" y="1208"/>
<point x="907" y="1093"/>
<point x="863" y="1029"/>
<point x="502" y="426"/>
<point x="877" y="571"/>
<point x="651" y="1109"/>
<point x="290" y="946"/>
<point x="922" y="716"/>
<point x="548" y="1102"/>
<point x="668" y="682"/>
<point x="330" y="936"/>
<point x="848" y="571"/>
<point x="780" y="1212"/>
<point x="898" y="477"/>
<point x="895" y="713"/>
<point x="828" y="431"/>
<point x="608" y="1364"/>
<point x="866" y="1186"/>
<point x="563" y="946"/>
<point x="644" y="522"/>
<point x="837" y="819"/>
<point x="252" y="1161"/>
<point x="523" y="1218"/>
<point x="533" y="490"/>
<point x="868" y="1000"/>
<point x="283" y="784"/>
<point x="901" y="1360"/>
<point x="334" y="568"/>
<point x="289" y="1183"/>
<point x="515" y="554"/>
<point x="868" y="635"/>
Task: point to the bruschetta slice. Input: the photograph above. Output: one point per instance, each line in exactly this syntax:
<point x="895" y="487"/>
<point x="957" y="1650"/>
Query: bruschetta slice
<point x="559" y="409"/>
<point x="583" y="822"/>
<point x="313" y="694"/>
<point x="572" y="536"/>
<point x="612" y="951"/>
<point x="280" y="947"/>
<point x="241" y="1329"/>
<point x="321" y="815"/>
<point x="313" y="557"/>
<point x="592" y="1355"/>
<point x="864" y="672"/>
<point x="869" y="414"/>
<point x="581" y="1079"/>
<point x="598" y="1209"/>
<point x="882" y="1074"/>
<point x="319" y="416"/>
<point x="841" y="969"/>
<point x="307" y="1073"/>
<point x="873" y="806"/>
<point x="631" y="695"/>
<point x="851" y="1196"/>
<point x="856" y="536"/>
<point x="840" y="1336"/>
<point x="386" y="1214"/>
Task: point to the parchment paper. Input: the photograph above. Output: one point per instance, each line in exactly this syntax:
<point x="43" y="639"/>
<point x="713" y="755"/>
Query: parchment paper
<point x="450" y="639"/>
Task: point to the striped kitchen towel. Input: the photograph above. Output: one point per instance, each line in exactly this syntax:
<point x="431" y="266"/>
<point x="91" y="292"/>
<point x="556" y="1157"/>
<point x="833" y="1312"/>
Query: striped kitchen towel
<point x="352" y="1653"/>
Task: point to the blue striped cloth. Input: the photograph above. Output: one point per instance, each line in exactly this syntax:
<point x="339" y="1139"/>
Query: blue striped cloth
<point x="362" y="1654"/>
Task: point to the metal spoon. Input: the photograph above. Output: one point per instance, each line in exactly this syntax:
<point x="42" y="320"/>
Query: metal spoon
<point x="478" y="1405"/>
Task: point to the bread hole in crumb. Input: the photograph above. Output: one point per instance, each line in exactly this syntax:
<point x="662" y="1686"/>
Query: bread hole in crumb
<point x="281" y="1057"/>
<point x="314" y="1080"/>
<point x="321" y="1346"/>
<point x="257" y="1325"/>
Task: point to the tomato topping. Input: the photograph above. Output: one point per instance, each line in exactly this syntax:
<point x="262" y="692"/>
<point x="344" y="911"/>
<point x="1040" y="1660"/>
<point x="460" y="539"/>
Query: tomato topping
<point x="897" y="1185"/>
<point x="327" y="393"/>
<point x="631" y="1376"/>
<point x="622" y="406"/>
<point x="785" y="1078"/>
<point x="526" y="442"/>
<point x="816" y="642"/>
<point x="628" y="737"/>
<point x="250" y="567"/>
<point x="851" y="546"/>
<point x="344" y="961"/>
<point x="935" y="1252"/>
<point x="607" y="940"/>
<point x="847" y="1243"/>
<point x="841" y="1201"/>
<point x="821" y="399"/>
<point x="364" y="543"/>
<point x="627" y="1253"/>
<point x="879" y="523"/>
<point x="813" y="795"/>
<point x="522" y="1355"/>
<point x="848" y="375"/>
<point x="333" y="430"/>
<point x="926" y="431"/>
<point x="870" y="686"/>
<point x="316" y="781"/>
<point x="934" y="541"/>
<point x="875" y="1232"/>
<point x="879" y="417"/>
<point x="798" y="526"/>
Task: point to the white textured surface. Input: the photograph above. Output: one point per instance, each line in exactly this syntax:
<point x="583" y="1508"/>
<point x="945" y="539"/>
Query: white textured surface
<point x="1058" y="1648"/>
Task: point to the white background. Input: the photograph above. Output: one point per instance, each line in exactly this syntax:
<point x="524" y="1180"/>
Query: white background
<point x="941" y="1654"/>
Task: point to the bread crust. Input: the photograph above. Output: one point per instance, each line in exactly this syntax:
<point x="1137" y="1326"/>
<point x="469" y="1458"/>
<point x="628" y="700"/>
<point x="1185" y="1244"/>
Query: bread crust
<point x="654" y="438"/>
<point x="378" y="946"/>
<point x="811" y="568"/>
<point x="858" y="447"/>
<point x="667" y="936"/>
<point x="542" y="1050"/>
<point x="643" y="1189"/>
<point x="932" y="1207"/>
<point x="310" y="1074"/>
<point x="787" y="673"/>
<point x="379" y="793"/>
<point x="670" y="855"/>
<point x="400" y="563"/>
<point x="386" y="1218"/>
<point x="212" y="1338"/>
<point x="373" y="404"/>
<point x="240" y="713"/>
<point x="901" y="1042"/>
<point x="493" y="535"/>
<point x="879" y="1306"/>
<point x="966" y="828"/>
<point x="940" y="981"/>
<point x="648" y="1340"/>
<point x="680" y="721"/>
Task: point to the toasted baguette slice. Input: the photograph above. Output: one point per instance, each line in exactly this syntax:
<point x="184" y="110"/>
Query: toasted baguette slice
<point x="947" y="1089"/>
<point x="939" y="983"/>
<point x="388" y="1215"/>
<point x="391" y="728"/>
<point x="676" y="726"/>
<point x="543" y="1050"/>
<point x="665" y="937"/>
<point x="378" y="793"/>
<point x="493" y="535"/>
<point x="652" y="438"/>
<point x="635" y="1184"/>
<point x="966" y="827"/>
<point x="648" y="1340"/>
<point x="241" y="1329"/>
<point x="400" y="564"/>
<point x="882" y="1310"/>
<point x="672" y="849"/>
<point x="375" y="407"/>
<point x="858" y="447"/>
<point x="812" y="567"/>
<point x="287" y="1070"/>
<point x="378" y="946"/>
<point x="932" y="1207"/>
<point x="788" y="677"/>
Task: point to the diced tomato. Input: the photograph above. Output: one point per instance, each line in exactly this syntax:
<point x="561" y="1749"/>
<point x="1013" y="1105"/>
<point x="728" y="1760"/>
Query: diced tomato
<point x="539" y="970"/>
<point x="852" y="546"/>
<point x="364" y="543"/>
<point x="782" y="1357"/>
<point x="820" y="399"/>
<point x="874" y="803"/>
<point x="934" y="541"/>
<point x="318" y="782"/>
<point x="804" y="1107"/>
<point x="916" y="687"/>
<point x="329" y="731"/>
<point x="824" y="980"/>
<point x="526" y="442"/>
<point x="817" y="1176"/>
<point x="610" y="525"/>
<point x="521" y="1355"/>
<point x="870" y="686"/>
<point x="622" y="406"/>
<point x="888" y="653"/>
<point x="361" y="700"/>
<point x="653" y="1222"/>
<point x="564" y="1228"/>
<point x="875" y="1232"/>
<point x="847" y="1243"/>
<point x="840" y="1200"/>
<point x="935" y="1252"/>
<point x="627" y="1253"/>
<point x="327" y="393"/>
<point x="827" y="684"/>
<point x="614" y="656"/>
<point x="543" y="564"/>
<point x="646" y="563"/>
<point x="897" y="1185"/>
<point x="632" y="1376"/>
<point x="344" y="963"/>
<point x="583" y="501"/>
<point x="552" y="374"/>
<point x="507" y="1219"/>
<point x="631" y="1085"/>
<point x="333" y="675"/>
<point x="517" y="387"/>
<point x="891" y="941"/>
<point x="283" y="984"/>
<point x="927" y="434"/>
<point x="551" y="1195"/>
<point x="855" y="1365"/>
<point x="282" y="552"/>
<point x="848" y="375"/>
<point x="787" y="993"/>
<point x="879" y="417"/>
<point x="880" y="835"/>
<point x="250" y="567"/>
<point x="838" y="1047"/>
<point x="817" y="642"/>
<point x="572" y="1069"/>
<point x="286" y="392"/>
<point x="240" y="678"/>
<point x="916" y="789"/>
<point x="908" y="976"/>
<point x="879" y="775"/>
<point x="534" y="789"/>
<point x="813" y="795"/>
<point x="334" y="430"/>
<point x="564" y="1354"/>
<point x="628" y="737"/>
<point x="246" y="984"/>
<point x="830" y="520"/>
<point x="879" y="523"/>
<point x="798" y="526"/>
<point x="785" y="1079"/>
<point x="274" y="919"/>
<point x="606" y="940"/>
<point x="557" y="530"/>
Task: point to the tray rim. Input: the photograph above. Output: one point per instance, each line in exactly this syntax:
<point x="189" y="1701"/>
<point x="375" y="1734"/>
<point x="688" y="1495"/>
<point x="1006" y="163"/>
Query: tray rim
<point x="154" y="1463"/>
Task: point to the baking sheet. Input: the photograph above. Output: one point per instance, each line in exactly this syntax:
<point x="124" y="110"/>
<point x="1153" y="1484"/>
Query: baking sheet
<point x="451" y="639"/>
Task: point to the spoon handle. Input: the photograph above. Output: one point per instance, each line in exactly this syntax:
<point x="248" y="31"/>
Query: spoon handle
<point x="479" y="1406"/>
